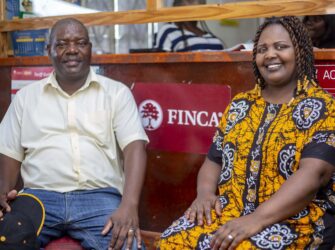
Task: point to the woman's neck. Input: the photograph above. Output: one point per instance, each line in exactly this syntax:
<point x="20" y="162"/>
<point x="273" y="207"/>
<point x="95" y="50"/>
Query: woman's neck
<point x="278" y="95"/>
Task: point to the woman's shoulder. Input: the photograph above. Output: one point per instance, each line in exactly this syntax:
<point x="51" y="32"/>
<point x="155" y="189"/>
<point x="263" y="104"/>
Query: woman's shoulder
<point x="246" y="95"/>
<point x="318" y="101"/>
<point x="320" y="93"/>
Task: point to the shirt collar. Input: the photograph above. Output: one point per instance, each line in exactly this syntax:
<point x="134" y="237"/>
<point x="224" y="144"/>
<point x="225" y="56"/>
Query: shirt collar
<point x="90" y="81"/>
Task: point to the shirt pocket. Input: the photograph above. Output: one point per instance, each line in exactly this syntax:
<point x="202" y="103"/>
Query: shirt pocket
<point x="97" y="125"/>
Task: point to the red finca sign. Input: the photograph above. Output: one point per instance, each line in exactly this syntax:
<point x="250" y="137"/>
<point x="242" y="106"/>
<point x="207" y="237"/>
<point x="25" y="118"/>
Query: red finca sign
<point x="326" y="76"/>
<point x="181" y="117"/>
<point x="177" y="117"/>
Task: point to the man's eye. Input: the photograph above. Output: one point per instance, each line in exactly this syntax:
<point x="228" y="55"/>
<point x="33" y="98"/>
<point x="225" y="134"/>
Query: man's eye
<point x="82" y="43"/>
<point x="60" y="45"/>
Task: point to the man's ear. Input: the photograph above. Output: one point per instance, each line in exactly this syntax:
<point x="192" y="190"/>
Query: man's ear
<point x="48" y="48"/>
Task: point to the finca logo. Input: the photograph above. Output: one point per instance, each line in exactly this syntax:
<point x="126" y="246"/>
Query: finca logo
<point x="151" y="114"/>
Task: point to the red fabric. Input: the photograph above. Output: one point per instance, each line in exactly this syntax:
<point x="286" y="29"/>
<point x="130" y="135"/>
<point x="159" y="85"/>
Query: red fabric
<point x="64" y="243"/>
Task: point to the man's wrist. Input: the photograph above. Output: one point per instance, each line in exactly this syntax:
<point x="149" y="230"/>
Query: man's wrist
<point x="129" y="203"/>
<point x="3" y="194"/>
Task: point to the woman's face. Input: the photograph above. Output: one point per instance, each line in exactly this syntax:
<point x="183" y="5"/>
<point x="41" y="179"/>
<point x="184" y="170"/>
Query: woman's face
<point x="316" y="26"/>
<point x="275" y="57"/>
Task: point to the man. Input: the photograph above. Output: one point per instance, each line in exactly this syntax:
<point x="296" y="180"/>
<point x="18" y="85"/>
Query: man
<point x="64" y="135"/>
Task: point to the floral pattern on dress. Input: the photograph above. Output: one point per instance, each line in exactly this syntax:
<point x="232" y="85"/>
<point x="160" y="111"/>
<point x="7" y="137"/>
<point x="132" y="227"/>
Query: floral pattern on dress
<point x="300" y="215"/>
<point x="254" y="164"/>
<point x="308" y="112"/>
<point x="237" y="112"/>
<point x="275" y="237"/>
<point x="179" y="225"/>
<point x="227" y="162"/>
<point x="204" y="242"/>
<point x="286" y="160"/>
<point x="217" y="140"/>
<point x="327" y="137"/>
<point x="319" y="228"/>
<point x="224" y="200"/>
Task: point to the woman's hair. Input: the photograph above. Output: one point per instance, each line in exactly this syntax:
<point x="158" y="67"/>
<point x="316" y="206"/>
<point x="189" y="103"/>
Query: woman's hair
<point x="302" y="46"/>
<point x="328" y="38"/>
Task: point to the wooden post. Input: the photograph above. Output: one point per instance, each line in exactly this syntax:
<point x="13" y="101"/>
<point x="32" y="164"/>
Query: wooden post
<point x="3" y="35"/>
<point x="156" y="12"/>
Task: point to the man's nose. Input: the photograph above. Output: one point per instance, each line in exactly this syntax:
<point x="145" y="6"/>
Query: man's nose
<point x="72" y="48"/>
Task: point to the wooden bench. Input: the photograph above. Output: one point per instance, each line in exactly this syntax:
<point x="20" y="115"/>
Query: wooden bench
<point x="66" y="243"/>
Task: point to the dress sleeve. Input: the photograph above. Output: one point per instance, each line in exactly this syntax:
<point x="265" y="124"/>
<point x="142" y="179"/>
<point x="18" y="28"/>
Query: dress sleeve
<point x="215" y="150"/>
<point x="321" y="145"/>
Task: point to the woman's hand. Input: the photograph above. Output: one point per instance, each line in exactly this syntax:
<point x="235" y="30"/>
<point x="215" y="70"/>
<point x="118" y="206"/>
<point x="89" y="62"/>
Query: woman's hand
<point x="231" y="234"/>
<point x="201" y="207"/>
<point x="206" y="199"/>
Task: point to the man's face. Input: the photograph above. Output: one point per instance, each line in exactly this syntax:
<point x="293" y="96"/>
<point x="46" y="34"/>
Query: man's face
<point x="70" y="52"/>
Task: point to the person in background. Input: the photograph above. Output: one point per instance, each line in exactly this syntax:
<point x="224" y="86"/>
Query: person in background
<point x="66" y="135"/>
<point x="268" y="181"/>
<point x="186" y="36"/>
<point x="27" y="5"/>
<point x="321" y="29"/>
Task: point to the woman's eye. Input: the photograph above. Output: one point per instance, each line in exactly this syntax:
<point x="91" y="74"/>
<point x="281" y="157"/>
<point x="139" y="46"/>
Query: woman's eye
<point x="281" y="46"/>
<point x="261" y="50"/>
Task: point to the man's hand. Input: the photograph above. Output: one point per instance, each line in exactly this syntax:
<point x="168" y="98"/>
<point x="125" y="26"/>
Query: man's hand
<point x="231" y="234"/>
<point x="9" y="175"/>
<point x="201" y="207"/>
<point x="4" y="198"/>
<point x="124" y="224"/>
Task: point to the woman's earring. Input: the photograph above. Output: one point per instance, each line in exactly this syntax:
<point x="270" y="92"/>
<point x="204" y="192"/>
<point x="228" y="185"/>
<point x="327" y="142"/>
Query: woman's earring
<point x="299" y="87"/>
<point x="305" y="85"/>
<point x="258" y="87"/>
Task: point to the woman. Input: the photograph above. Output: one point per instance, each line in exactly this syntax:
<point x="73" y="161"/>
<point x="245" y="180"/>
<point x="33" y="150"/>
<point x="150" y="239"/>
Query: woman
<point x="186" y="36"/>
<point x="272" y="157"/>
<point x="321" y="29"/>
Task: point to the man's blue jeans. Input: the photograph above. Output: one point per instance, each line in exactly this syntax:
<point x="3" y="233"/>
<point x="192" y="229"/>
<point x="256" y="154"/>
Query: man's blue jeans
<point x="79" y="214"/>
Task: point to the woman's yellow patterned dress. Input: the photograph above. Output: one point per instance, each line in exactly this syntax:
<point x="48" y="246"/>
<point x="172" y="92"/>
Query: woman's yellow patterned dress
<point x="259" y="145"/>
